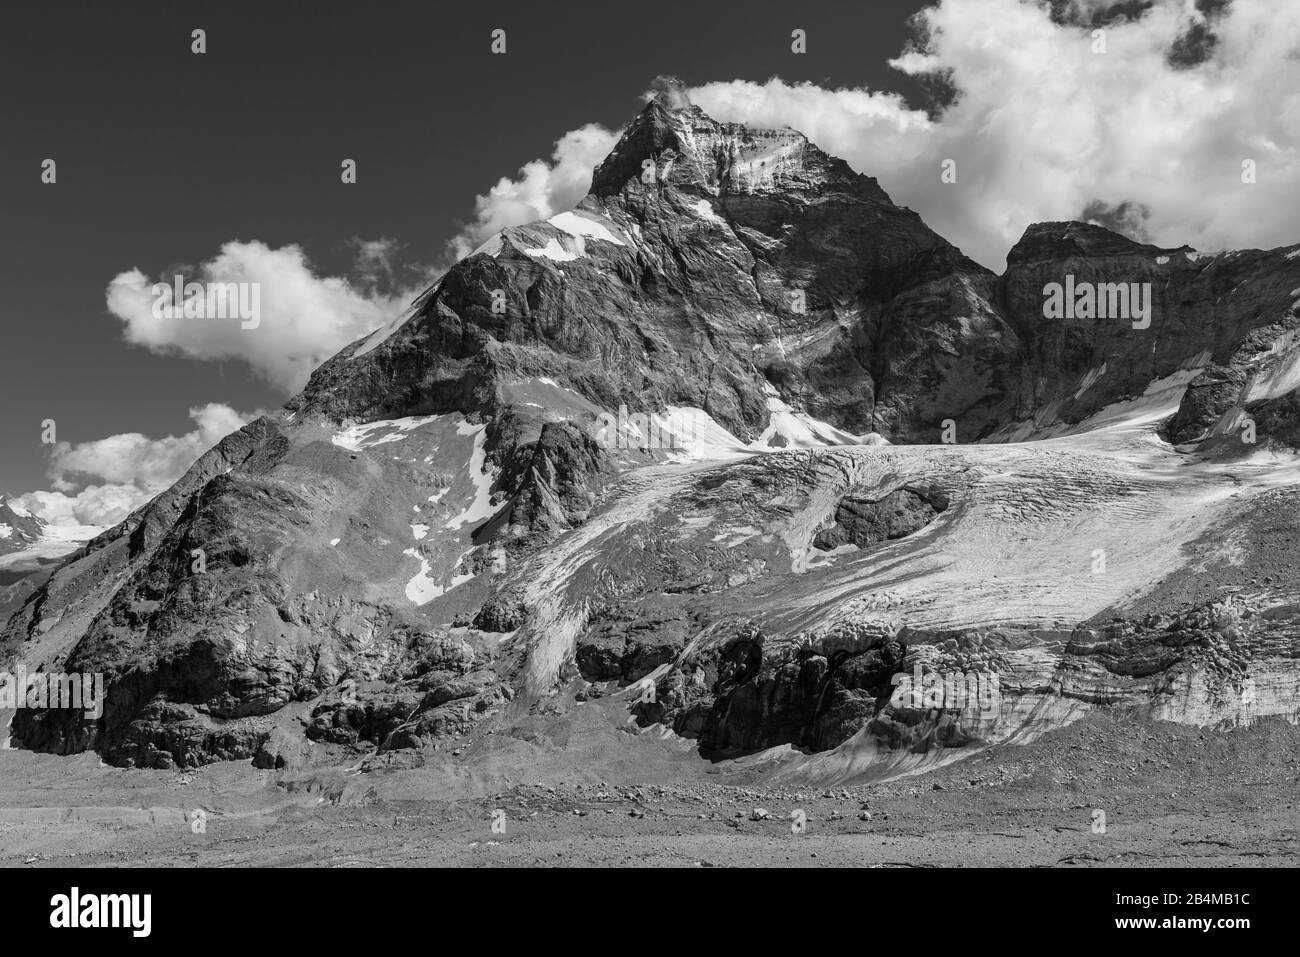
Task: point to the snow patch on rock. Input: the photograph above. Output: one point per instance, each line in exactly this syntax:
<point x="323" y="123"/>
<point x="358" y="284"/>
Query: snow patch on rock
<point x="704" y="209"/>
<point x="557" y="251"/>
<point x="1281" y="374"/>
<point x="422" y="589"/>
<point x="790" y="429"/>
<point x="358" y="437"/>
<point x="481" y="507"/>
<point x="581" y="226"/>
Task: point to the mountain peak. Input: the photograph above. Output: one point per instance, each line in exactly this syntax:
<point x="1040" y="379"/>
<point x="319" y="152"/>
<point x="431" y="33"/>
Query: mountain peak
<point x="672" y="142"/>
<point x="670" y="93"/>
<point x="1067" y="239"/>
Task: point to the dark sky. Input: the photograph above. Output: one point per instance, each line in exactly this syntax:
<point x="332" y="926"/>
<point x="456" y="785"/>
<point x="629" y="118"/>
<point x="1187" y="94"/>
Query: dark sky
<point x="163" y="155"/>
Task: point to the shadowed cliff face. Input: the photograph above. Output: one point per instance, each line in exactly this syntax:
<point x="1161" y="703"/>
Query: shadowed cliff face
<point x="1209" y="319"/>
<point x="816" y="485"/>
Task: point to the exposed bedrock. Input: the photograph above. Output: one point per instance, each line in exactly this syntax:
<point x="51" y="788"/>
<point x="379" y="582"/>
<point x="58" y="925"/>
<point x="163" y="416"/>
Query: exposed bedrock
<point x="871" y="682"/>
<point x="863" y="521"/>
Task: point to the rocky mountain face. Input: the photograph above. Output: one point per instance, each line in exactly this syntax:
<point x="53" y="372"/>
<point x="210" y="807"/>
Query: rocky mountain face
<point x="19" y="528"/>
<point x="745" y="447"/>
<point x="711" y="265"/>
<point x="1230" y="317"/>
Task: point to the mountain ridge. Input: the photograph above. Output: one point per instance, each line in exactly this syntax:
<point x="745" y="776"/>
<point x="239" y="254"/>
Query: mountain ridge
<point x="443" y="535"/>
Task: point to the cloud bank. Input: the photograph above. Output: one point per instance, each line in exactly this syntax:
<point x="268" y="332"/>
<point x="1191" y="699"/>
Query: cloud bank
<point x="1149" y="135"/>
<point x="102" y="481"/>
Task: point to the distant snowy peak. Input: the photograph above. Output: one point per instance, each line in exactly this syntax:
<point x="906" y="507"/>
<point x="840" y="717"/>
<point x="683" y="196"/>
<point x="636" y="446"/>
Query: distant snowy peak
<point x="19" y="528"/>
<point x="27" y="537"/>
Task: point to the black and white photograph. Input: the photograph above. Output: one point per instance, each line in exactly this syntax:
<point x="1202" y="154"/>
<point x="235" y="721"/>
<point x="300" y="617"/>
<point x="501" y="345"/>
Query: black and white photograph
<point x="763" y="436"/>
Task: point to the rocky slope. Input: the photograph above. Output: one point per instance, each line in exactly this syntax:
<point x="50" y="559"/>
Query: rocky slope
<point x="746" y="448"/>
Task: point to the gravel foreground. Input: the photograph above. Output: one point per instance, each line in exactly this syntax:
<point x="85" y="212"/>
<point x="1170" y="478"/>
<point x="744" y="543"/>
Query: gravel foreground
<point x="1171" y="795"/>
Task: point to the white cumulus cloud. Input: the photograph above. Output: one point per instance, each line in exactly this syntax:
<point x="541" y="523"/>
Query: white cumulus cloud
<point x="102" y="481"/>
<point x="541" y="189"/>
<point x="304" y="318"/>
